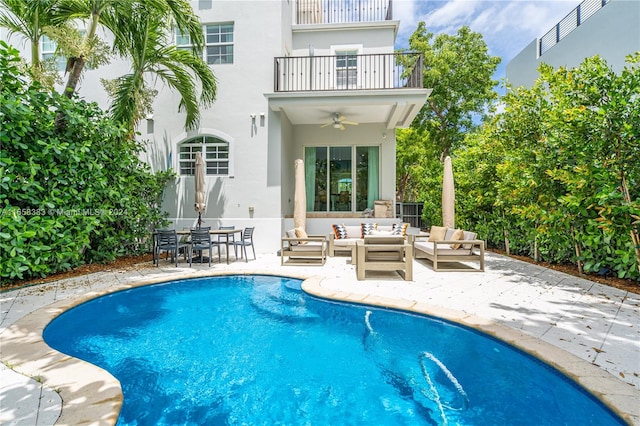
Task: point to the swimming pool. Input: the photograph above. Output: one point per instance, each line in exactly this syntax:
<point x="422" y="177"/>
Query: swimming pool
<point x="258" y="350"/>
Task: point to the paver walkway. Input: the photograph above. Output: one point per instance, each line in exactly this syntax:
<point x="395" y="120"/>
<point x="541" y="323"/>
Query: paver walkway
<point x="594" y="322"/>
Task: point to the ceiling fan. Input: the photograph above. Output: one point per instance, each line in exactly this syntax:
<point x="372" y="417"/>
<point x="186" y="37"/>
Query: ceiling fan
<point x="338" y="122"/>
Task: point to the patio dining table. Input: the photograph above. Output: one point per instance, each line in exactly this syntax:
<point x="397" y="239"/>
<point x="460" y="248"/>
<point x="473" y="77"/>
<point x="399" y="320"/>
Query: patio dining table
<point x="227" y="232"/>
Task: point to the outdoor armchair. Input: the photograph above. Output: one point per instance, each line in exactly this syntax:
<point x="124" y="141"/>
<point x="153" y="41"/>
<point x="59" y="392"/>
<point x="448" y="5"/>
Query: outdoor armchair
<point x="303" y="250"/>
<point x="390" y="253"/>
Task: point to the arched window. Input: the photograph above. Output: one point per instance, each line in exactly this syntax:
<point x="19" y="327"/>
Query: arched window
<point x="215" y="153"/>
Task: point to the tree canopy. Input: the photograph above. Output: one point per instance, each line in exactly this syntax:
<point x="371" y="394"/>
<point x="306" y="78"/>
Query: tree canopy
<point x="459" y="69"/>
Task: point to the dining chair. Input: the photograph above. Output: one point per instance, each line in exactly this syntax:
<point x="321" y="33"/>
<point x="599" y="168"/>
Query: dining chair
<point x="222" y="241"/>
<point x="246" y="241"/>
<point x="200" y="240"/>
<point x="167" y="240"/>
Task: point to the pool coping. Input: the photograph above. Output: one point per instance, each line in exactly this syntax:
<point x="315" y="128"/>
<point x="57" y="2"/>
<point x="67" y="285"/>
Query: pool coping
<point x="92" y="396"/>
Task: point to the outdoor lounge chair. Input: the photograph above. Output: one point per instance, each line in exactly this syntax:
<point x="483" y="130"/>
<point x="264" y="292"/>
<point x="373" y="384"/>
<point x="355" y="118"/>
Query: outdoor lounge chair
<point x="311" y="249"/>
<point x="382" y="253"/>
<point x="167" y="240"/>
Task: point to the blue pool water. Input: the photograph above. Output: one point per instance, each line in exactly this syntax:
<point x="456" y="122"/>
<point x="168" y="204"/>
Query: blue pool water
<point x="257" y="350"/>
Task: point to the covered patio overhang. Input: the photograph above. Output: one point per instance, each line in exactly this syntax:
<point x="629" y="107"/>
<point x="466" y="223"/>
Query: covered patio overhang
<point x="394" y="108"/>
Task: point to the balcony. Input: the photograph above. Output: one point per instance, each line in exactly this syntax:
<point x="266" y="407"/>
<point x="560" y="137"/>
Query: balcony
<point x="573" y="20"/>
<point x="342" y="11"/>
<point x="348" y="72"/>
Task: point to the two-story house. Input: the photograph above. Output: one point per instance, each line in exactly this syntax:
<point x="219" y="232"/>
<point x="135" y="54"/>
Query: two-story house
<point x="310" y="79"/>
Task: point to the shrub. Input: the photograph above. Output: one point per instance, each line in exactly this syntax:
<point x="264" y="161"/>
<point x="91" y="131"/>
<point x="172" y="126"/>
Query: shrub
<point x="72" y="197"/>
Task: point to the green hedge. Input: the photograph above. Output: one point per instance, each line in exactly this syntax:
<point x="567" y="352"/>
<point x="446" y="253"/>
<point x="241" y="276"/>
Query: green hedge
<point x="557" y="173"/>
<point x="68" y="198"/>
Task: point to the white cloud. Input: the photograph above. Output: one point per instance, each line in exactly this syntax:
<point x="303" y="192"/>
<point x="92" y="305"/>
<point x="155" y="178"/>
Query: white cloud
<point x="507" y="26"/>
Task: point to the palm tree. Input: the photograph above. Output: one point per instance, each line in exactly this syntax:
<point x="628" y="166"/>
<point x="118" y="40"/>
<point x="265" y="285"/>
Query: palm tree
<point x="30" y="19"/>
<point x="142" y="31"/>
<point x="110" y="14"/>
<point x="147" y="43"/>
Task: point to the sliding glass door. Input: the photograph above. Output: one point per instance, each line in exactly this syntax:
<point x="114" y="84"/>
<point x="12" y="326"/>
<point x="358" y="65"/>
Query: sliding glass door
<point x="341" y="178"/>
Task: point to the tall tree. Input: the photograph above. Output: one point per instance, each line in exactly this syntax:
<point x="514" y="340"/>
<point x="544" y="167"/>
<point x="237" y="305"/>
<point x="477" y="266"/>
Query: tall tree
<point x="110" y="13"/>
<point x="147" y="44"/>
<point x="31" y="20"/>
<point x="459" y="69"/>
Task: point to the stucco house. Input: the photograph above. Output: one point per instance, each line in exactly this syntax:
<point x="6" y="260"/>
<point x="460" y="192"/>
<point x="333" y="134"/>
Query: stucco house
<point x="609" y="28"/>
<point x="310" y="79"/>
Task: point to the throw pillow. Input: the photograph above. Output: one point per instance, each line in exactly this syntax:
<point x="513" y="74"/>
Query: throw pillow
<point x="301" y="233"/>
<point x="292" y="234"/>
<point x="340" y="231"/>
<point x="437" y="233"/>
<point x="457" y="235"/>
<point x="400" y="229"/>
<point x="367" y="228"/>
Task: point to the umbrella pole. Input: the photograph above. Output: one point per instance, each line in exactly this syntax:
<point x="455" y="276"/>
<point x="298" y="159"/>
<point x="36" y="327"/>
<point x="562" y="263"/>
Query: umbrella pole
<point x="199" y="219"/>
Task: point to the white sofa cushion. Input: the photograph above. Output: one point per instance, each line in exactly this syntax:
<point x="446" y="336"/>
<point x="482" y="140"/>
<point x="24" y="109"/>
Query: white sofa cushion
<point x="354" y="231"/>
<point x="310" y="246"/>
<point x="443" y="249"/>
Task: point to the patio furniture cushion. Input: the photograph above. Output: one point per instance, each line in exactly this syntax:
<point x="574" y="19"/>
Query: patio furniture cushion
<point x="307" y="246"/>
<point x="437" y="233"/>
<point x="340" y="231"/>
<point x="448" y="235"/>
<point x="400" y="228"/>
<point x="366" y="229"/>
<point x="381" y="232"/>
<point x="292" y="234"/>
<point x="301" y="233"/>
<point x="469" y="236"/>
<point x="458" y="234"/>
<point x="443" y="249"/>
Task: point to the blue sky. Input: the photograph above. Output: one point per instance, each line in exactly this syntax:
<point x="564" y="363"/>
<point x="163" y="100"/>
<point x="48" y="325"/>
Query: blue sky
<point x="507" y="26"/>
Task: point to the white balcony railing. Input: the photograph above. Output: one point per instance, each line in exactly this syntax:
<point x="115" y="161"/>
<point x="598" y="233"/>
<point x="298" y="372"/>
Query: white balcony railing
<point x="573" y="20"/>
<point x="348" y="72"/>
<point x="342" y="11"/>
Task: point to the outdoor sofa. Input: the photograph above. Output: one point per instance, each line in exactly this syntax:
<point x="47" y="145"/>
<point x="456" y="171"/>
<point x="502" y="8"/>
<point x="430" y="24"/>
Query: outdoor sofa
<point x="343" y="237"/>
<point x="450" y="246"/>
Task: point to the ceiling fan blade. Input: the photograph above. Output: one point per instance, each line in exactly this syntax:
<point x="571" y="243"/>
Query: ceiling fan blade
<point x="327" y="124"/>
<point x="341" y="126"/>
<point x="353" y="123"/>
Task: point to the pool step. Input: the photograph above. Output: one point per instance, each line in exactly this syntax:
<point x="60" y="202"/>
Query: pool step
<point x="280" y="303"/>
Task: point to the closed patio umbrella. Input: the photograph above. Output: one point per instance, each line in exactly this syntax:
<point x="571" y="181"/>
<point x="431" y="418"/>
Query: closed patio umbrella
<point x="200" y="205"/>
<point x="448" y="195"/>
<point x="299" y="196"/>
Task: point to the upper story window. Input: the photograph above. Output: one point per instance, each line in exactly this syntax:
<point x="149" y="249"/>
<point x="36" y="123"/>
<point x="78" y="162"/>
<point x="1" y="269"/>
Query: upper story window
<point x="219" y="40"/>
<point x="218" y="43"/>
<point x="48" y="52"/>
<point x="346" y="68"/>
<point x="215" y="153"/>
